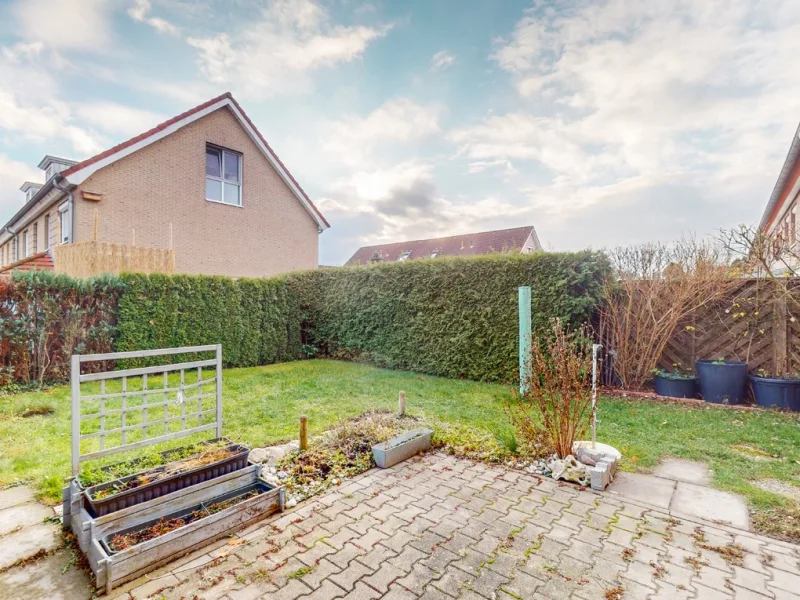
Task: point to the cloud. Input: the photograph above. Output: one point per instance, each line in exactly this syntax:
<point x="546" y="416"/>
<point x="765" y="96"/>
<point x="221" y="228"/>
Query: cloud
<point x="650" y="94"/>
<point x="12" y="174"/>
<point x="442" y="60"/>
<point x="118" y="118"/>
<point x="140" y="11"/>
<point x="354" y="140"/>
<point x="276" y="53"/>
<point x="83" y="25"/>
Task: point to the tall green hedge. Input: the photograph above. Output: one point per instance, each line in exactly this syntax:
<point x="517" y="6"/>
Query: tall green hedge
<point x="455" y="317"/>
<point x="257" y="321"/>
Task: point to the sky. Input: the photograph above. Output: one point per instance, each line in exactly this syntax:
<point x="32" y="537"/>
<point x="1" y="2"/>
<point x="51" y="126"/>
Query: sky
<point x="601" y="123"/>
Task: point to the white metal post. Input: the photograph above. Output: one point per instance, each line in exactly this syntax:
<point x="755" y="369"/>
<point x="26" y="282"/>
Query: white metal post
<point x="75" y="383"/>
<point x="595" y="348"/>
<point x="219" y="390"/>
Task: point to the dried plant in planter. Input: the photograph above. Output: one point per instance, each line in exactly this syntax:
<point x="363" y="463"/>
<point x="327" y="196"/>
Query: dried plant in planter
<point x="653" y="290"/>
<point x="555" y="408"/>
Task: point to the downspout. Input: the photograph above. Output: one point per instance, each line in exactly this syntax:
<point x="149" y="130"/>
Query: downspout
<point x="57" y="178"/>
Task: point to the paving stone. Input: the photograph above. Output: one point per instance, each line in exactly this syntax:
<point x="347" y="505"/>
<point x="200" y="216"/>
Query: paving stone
<point x="363" y="592"/>
<point x="23" y="515"/>
<point x="710" y="504"/>
<point x="384" y="577"/>
<point x="707" y="593"/>
<point x="643" y="488"/>
<point x="782" y="580"/>
<point x="689" y="471"/>
<point x="44" y="580"/>
<point x="27" y="542"/>
<point x="16" y="495"/>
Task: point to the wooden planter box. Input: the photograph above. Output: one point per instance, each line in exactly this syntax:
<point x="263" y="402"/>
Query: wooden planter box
<point x="162" y="487"/>
<point x="401" y="447"/>
<point x="114" y="568"/>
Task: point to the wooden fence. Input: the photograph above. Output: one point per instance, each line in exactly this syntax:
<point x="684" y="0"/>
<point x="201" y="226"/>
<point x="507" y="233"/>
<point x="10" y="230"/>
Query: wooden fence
<point x="87" y="259"/>
<point x="759" y="322"/>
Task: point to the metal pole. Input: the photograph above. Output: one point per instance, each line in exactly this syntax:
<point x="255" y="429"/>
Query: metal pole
<point x="524" y="336"/>
<point x="595" y="348"/>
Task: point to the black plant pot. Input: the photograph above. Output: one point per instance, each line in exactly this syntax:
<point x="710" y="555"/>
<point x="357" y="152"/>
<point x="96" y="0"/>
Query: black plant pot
<point x="779" y="393"/>
<point x="722" y="382"/>
<point x="676" y="388"/>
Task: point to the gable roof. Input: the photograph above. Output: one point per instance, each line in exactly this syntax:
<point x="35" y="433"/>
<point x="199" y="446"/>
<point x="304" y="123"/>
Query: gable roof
<point x="788" y="181"/>
<point x="471" y="244"/>
<point x="42" y="261"/>
<point x="79" y="172"/>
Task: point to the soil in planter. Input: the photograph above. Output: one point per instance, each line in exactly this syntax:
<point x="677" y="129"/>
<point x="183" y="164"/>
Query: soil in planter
<point x="123" y="541"/>
<point x="95" y="476"/>
<point x="213" y="454"/>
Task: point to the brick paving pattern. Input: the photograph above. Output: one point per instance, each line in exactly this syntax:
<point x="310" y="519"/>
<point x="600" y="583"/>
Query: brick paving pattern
<point x="439" y="528"/>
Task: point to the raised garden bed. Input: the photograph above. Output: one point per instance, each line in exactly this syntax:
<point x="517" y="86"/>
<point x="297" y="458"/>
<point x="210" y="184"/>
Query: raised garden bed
<point x="150" y="530"/>
<point x="401" y="447"/>
<point x="213" y="460"/>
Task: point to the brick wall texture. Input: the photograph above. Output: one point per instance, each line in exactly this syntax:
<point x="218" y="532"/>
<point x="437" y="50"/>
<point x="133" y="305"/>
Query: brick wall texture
<point x="164" y="183"/>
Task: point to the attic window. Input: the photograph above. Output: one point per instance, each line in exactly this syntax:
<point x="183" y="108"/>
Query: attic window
<point x="434" y="254"/>
<point x="223" y="176"/>
<point x="404" y="256"/>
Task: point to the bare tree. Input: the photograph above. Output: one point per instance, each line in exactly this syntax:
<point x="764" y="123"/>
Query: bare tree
<point x="654" y="288"/>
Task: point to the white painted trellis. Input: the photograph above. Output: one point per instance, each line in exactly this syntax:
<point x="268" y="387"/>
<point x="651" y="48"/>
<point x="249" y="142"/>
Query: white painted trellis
<point x="187" y="424"/>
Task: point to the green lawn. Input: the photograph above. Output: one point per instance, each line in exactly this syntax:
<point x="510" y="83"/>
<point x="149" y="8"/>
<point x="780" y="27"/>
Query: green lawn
<point x="262" y="404"/>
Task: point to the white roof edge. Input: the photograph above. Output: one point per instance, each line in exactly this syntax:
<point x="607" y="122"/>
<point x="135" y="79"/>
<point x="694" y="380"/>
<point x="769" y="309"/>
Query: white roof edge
<point x="83" y="174"/>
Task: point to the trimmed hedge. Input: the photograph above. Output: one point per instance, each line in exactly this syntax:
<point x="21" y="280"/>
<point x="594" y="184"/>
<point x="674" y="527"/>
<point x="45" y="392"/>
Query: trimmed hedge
<point x="256" y="320"/>
<point x="45" y="318"/>
<point x="455" y="317"/>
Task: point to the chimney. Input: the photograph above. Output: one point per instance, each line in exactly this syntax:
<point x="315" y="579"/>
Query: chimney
<point x="53" y="164"/>
<point x="30" y="189"/>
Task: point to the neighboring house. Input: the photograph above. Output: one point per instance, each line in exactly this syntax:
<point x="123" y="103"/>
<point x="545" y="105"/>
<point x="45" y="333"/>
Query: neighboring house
<point x="204" y="183"/>
<point x="779" y="220"/>
<point x="519" y="239"/>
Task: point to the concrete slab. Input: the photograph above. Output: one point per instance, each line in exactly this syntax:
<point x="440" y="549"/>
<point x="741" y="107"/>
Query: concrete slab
<point x="643" y="488"/>
<point x="22" y="515"/>
<point x="44" y="579"/>
<point x="713" y="505"/>
<point x="27" y="542"/>
<point x="16" y="495"/>
<point x="679" y="469"/>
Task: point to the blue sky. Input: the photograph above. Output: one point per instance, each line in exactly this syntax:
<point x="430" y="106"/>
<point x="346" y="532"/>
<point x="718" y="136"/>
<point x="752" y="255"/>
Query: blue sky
<point x="602" y="123"/>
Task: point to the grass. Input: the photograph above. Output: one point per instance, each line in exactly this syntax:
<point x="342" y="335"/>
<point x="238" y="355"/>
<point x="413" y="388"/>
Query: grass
<point x="262" y="406"/>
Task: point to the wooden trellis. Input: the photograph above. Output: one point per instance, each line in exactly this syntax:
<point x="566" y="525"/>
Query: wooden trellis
<point x="188" y="396"/>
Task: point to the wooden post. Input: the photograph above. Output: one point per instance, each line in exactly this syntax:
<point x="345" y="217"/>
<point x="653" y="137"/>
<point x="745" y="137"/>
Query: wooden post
<point x="303" y="432"/>
<point x="524" y="336"/>
<point x="401" y="404"/>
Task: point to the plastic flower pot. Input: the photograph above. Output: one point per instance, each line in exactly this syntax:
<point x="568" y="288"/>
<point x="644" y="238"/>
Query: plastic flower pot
<point x="776" y="392"/>
<point x="676" y="387"/>
<point x="722" y="381"/>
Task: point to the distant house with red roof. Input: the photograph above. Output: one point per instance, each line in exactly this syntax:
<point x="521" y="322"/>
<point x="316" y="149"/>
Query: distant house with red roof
<point x="205" y="183"/>
<point x="518" y="239"/>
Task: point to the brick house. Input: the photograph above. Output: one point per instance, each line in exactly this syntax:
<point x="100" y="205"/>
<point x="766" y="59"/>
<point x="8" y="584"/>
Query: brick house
<point x="204" y="183"/>
<point x="779" y="222"/>
<point x="518" y="239"/>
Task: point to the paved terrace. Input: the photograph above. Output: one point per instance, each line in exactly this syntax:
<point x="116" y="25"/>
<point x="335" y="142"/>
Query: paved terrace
<point x="440" y="528"/>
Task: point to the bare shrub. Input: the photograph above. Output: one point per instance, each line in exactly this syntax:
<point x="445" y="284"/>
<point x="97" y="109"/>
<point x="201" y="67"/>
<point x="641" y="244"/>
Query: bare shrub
<point x="555" y="408"/>
<point x="653" y="290"/>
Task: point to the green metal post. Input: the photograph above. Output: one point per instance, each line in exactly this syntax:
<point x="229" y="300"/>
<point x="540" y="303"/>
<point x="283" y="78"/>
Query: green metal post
<point x="524" y="335"/>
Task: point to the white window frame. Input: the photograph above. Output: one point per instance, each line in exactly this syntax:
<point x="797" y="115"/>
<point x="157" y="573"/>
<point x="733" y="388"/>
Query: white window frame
<point x="25" y="240"/>
<point x="221" y="179"/>
<point x="404" y="256"/>
<point x="65" y="216"/>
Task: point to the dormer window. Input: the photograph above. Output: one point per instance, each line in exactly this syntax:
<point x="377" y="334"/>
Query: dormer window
<point x="30" y="189"/>
<point x="54" y="164"/>
<point x="223" y="176"/>
<point x="434" y="254"/>
<point x="404" y="256"/>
